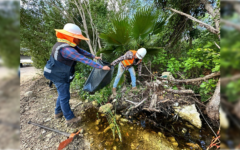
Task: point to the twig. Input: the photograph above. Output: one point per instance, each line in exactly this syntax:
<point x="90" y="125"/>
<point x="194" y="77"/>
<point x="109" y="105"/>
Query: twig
<point x="131" y="102"/>
<point x="207" y="123"/>
<point x="217" y="45"/>
<point x="135" y="106"/>
<point x="77" y="105"/>
<point x="195" y="99"/>
<point x="180" y="91"/>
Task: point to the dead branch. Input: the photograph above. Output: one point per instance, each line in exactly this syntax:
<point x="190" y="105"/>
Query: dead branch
<point x="208" y="27"/>
<point x="212" y="75"/>
<point x="207" y="122"/>
<point x="133" y="107"/>
<point x="213" y="105"/>
<point x="151" y="109"/>
<point x="195" y="100"/>
<point x="230" y="24"/>
<point x="131" y="102"/>
<point x="225" y="80"/>
<point x="214" y="13"/>
<point x="153" y="101"/>
<point x="180" y="91"/>
<point x="217" y="45"/>
<point x="165" y="101"/>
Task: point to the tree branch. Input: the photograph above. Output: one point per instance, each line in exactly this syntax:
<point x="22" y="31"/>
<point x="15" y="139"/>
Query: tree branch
<point x="230" y="24"/>
<point x="208" y="27"/>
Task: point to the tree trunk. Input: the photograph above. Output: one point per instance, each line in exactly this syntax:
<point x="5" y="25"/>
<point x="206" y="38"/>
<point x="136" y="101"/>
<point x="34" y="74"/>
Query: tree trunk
<point x="212" y="107"/>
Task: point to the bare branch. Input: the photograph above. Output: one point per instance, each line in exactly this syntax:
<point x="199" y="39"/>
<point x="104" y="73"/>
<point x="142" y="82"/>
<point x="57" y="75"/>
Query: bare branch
<point x="217" y="45"/>
<point x="230" y="24"/>
<point x="180" y="91"/>
<point x="214" y="13"/>
<point x="208" y="27"/>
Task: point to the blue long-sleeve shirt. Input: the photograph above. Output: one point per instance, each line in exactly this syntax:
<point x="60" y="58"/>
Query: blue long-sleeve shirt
<point x="79" y="55"/>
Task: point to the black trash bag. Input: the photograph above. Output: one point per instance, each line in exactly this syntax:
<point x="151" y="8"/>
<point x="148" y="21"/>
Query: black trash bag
<point x="99" y="78"/>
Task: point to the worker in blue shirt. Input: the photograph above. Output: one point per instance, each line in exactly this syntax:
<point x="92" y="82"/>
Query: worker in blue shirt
<point x="60" y="67"/>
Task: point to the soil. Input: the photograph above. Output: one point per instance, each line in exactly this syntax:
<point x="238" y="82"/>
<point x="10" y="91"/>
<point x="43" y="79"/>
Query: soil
<point x="39" y="108"/>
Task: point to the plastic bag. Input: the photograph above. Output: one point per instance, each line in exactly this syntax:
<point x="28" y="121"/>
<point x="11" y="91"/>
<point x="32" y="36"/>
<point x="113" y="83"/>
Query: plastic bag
<point x="99" y="78"/>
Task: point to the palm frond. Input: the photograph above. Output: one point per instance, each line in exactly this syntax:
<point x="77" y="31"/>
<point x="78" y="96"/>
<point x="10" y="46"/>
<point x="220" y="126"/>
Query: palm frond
<point x="119" y="35"/>
<point x="143" y="22"/>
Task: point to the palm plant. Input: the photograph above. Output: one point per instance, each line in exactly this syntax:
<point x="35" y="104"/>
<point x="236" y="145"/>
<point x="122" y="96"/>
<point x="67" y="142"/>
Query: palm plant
<point x="133" y="32"/>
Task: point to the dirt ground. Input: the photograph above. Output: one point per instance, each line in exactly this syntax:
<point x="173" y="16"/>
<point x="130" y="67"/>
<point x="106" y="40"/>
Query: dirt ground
<point x="39" y="108"/>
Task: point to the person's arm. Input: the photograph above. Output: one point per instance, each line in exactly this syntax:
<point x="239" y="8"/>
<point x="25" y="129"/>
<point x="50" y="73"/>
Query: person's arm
<point x="127" y="55"/>
<point x="85" y="53"/>
<point x="140" y="69"/>
<point x="72" y="54"/>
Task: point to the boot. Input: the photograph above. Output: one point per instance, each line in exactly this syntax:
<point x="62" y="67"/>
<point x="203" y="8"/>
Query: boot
<point x="73" y="121"/>
<point x="134" y="89"/>
<point x="114" y="92"/>
<point x="58" y="116"/>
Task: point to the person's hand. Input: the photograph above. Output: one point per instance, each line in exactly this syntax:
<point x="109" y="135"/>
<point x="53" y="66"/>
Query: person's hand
<point x="97" y="58"/>
<point x="106" y="68"/>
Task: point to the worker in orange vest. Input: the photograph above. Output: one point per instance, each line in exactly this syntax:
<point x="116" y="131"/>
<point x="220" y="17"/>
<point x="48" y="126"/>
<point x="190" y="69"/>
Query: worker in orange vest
<point x="126" y="62"/>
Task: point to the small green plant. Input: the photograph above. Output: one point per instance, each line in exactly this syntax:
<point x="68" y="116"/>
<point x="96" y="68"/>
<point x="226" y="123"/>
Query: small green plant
<point x="207" y="89"/>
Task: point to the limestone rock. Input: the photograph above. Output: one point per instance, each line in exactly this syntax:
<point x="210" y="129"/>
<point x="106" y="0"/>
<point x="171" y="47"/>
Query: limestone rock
<point x="97" y="122"/>
<point x="28" y="94"/>
<point x="175" y="144"/>
<point x="224" y="123"/>
<point x="123" y="120"/>
<point x="118" y="117"/>
<point x="189" y="113"/>
<point x="184" y="130"/>
<point x="105" y="108"/>
<point x="95" y="103"/>
<point x="172" y="139"/>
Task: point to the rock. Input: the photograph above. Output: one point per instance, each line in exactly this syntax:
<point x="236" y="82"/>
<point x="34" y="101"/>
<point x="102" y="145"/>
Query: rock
<point x="184" y="130"/>
<point x="97" y="122"/>
<point x="118" y="117"/>
<point x="189" y="113"/>
<point x="175" y="144"/>
<point x="28" y="94"/>
<point x="48" y="119"/>
<point x="176" y="104"/>
<point x="114" y="100"/>
<point x="105" y="130"/>
<point x="172" y="139"/>
<point x="49" y="135"/>
<point x="95" y="103"/>
<point x="161" y="135"/>
<point x="224" y="123"/>
<point x="44" y="131"/>
<point x="194" y="146"/>
<point x="123" y="120"/>
<point x="105" y="108"/>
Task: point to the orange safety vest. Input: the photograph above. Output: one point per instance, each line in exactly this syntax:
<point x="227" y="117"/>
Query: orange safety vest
<point x="129" y="62"/>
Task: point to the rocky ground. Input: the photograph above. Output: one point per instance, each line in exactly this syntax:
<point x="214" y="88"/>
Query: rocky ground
<point x="37" y="102"/>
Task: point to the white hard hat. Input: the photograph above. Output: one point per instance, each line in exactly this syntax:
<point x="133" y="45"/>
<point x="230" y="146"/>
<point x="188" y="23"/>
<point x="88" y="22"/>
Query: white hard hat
<point x="141" y="53"/>
<point x="72" y="30"/>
